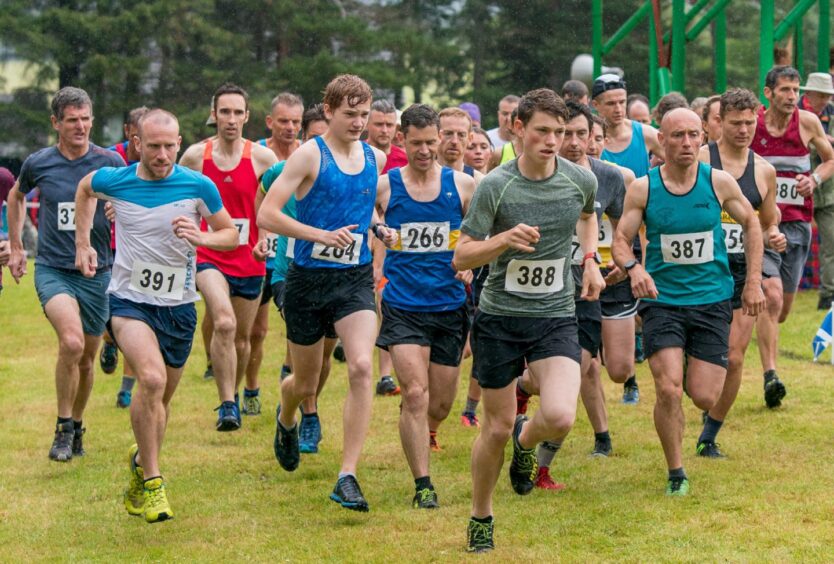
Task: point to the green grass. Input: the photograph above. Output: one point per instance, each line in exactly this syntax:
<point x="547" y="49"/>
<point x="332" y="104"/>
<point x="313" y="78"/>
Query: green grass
<point x="769" y="501"/>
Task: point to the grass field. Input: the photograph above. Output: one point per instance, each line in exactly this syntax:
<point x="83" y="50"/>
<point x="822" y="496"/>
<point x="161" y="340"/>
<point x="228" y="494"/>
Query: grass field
<point x="770" y="500"/>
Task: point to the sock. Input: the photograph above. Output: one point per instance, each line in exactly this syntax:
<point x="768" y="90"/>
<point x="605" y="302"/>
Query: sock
<point x="769" y="375"/>
<point x="247" y="393"/>
<point x="604" y="437"/>
<point x="62" y="420"/>
<point x="631" y="382"/>
<point x="127" y="383"/>
<point x="677" y="473"/>
<point x="76" y="425"/>
<point x="312" y="414"/>
<point x="286" y="428"/>
<point x="711" y="428"/>
<point x="521" y="389"/>
<point x="471" y="405"/>
<point x="487" y="519"/>
<point x="346" y="474"/>
<point x="423" y="483"/>
<point x="545" y="453"/>
<point x="285" y="368"/>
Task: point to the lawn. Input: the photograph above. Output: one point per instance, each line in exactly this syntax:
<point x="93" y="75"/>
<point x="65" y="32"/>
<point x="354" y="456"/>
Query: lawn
<point x="770" y="500"/>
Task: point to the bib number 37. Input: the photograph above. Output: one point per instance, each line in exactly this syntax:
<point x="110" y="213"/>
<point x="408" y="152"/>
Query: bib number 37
<point x="348" y="255"/>
<point x="535" y="276"/>
<point x="66" y="216"/>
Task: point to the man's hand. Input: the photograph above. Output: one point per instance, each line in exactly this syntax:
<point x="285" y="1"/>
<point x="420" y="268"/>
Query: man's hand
<point x="465" y="276"/>
<point x="615" y="274"/>
<point x="752" y="298"/>
<point x="592" y="282"/>
<point x="5" y="252"/>
<point x="17" y="263"/>
<point x="387" y="235"/>
<point x="109" y="212"/>
<point x="775" y="239"/>
<point x="340" y="238"/>
<point x="261" y="250"/>
<point x="186" y="229"/>
<point x="805" y="185"/>
<point x="522" y="237"/>
<point x="642" y="284"/>
<point x="86" y="260"/>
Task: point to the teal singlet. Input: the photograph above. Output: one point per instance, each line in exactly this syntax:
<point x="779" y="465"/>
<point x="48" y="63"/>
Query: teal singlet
<point x="685" y="255"/>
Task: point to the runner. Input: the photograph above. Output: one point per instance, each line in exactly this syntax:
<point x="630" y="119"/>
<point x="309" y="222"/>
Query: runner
<point x="75" y="306"/>
<point x="478" y="152"/>
<point x="522" y="221"/>
<point x="504" y="132"/>
<point x="284" y="124"/>
<point x="686" y="284"/>
<point x="231" y="281"/>
<point x="637" y="109"/>
<point x="783" y="135"/>
<point x="158" y="206"/>
<point x="424" y="318"/>
<point x="711" y="116"/>
<point x="757" y="179"/>
<point x="331" y="279"/>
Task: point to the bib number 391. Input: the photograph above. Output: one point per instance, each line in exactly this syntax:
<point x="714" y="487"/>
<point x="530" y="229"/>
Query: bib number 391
<point x="348" y="255"/>
<point x="687" y="248"/>
<point x="535" y="276"/>
<point x="786" y="192"/>
<point x="158" y="280"/>
<point x="66" y="216"/>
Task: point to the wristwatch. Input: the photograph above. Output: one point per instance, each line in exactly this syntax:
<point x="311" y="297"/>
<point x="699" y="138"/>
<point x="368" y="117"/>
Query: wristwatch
<point x="594" y="255"/>
<point x="816" y="178"/>
<point x="630" y="264"/>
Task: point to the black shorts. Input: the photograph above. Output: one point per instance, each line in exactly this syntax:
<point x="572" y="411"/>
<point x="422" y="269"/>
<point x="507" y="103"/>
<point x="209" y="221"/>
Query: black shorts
<point x="246" y="287"/>
<point x="702" y="331"/>
<point x="316" y="298"/>
<point x="266" y="291"/>
<point x="501" y="344"/>
<point x="443" y="331"/>
<point x="618" y="301"/>
<point x="738" y="269"/>
<point x="276" y="291"/>
<point x="589" y="320"/>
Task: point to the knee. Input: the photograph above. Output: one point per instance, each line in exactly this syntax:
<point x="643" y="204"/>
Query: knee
<point x="304" y="387"/>
<point x="225" y="326"/>
<point x="258" y="335"/>
<point x="619" y="370"/>
<point x="669" y="392"/>
<point x="558" y="421"/>
<point x="360" y="367"/>
<point x="439" y="408"/>
<point x="152" y="383"/>
<point x="497" y="432"/>
<point x="736" y="361"/>
<point x="704" y="399"/>
<point x="415" y="398"/>
<point x="71" y="346"/>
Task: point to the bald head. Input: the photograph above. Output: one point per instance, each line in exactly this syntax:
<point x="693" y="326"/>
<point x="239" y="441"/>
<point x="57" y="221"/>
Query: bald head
<point x="158" y="142"/>
<point x="679" y="117"/>
<point x="158" y="118"/>
<point x="681" y="132"/>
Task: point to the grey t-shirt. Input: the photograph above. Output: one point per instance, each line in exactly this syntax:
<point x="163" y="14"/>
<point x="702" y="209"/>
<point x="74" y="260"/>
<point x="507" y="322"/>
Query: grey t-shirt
<point x="57" y="177"/>
<point x="537" y="284"/>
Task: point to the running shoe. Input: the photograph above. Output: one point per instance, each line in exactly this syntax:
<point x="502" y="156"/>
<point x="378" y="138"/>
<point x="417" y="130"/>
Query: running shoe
<point x="285" y="371"/>
<point x="709" y="449"/>
<point x="387" y="387"/>
<point x="61" y="450"/>
<point x="135" y="493"/>
<point x="774" y="389"/>
<point x="108" y="358"/>
<point x="251" y="405"/>
<point x="479" y="536"/>
<point x="639" y="355"/>
<point x="425" y="499"/>
<point x="228" y="417"/>
<point x="78" y="442"/>
<point x="631" y="394"/>
<point x="524" y="467"/>
<point x="348" y="494"/>
<point x="285" y="445"/>
<point x="677" y="487"/>
<point x="433" y="445"/>
<point x="157" y="507"/>
<point x="522" y="399"/>
<point x="339" y="352"/>
<point x="309" y="433"/>
<point x="601" y="448"/>
<point x="209" y="373"/>
<point x="469" y="420"/>
<point x="545" y="482"/>
<point x="123" y="398"/>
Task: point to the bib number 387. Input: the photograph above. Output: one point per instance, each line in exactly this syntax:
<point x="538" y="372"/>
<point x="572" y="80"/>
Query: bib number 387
<point x="687" y="248"/>
<point x="158" y="280"/>
<point x="535" y="276"/>
<point x="348" y="255"/>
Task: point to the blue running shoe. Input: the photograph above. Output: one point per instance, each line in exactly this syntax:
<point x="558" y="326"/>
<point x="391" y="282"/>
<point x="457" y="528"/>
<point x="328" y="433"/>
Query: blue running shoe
<point x="309" y="433"/>
<point x="348" y="494"/>
<point x="631" y="392"/>
<point x="123" y="398"/>
<point x="228" y="418"/>
<point x="108" y="358"/>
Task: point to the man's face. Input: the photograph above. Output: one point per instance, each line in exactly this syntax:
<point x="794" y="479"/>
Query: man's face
<point x="315" y="129"/>
<point x="347" y="122"/>
<point x="505" y="110"/>
<point x="639" y="112"/>
<point x="817" y="100"/>
<point x="158" y="146"/>
<point x="454" y="138"/>
<point x="231" y="115"/>
<point x="713" y="124"/>
<point x="478" y="151"/>
<point x="611" y="105"/>
<point x="738" y="128"/>
<point x="784" y="96"/>
<point x="575" y="144"/>
<point x="381" y="129"/>
<point x="596" y="141"/>
<point x="74" y="128"/>
<point x="285" y="123"/>
<point x="680" y="134"/>
<point x="541" y="137"/>
<point x="421" y="147"/>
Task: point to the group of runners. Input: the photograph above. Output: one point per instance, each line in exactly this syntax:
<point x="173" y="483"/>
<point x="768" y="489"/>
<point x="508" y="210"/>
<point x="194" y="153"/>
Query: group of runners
<point x="535" y="247"/>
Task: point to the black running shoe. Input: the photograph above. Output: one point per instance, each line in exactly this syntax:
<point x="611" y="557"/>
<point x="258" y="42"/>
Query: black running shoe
<point x="601" y="448"/>
<point x="108" y="358"/>
<point x="78" y="442"/>
<point x="709" y="449"/>
<point x="387" y="387"/>
<point x="286" y="445"/>
<point x="339" y="352"/>
<point x="62" y="444"/>
<point x="774" y="389"/>
<point x="524" y="467"/>
<point x="348" y="494"/>
<point x="425" y="499"/>
<point x="480" y="536"/>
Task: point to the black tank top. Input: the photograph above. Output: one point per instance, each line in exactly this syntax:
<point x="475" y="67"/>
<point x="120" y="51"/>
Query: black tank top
<point x="747" y="182"/>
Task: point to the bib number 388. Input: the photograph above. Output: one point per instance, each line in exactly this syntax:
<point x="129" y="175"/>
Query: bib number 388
<point x="158" y="280"/>
<point x="535" y="276"/>
<point x="687" y="248"/>
<point x="348" y="255"/>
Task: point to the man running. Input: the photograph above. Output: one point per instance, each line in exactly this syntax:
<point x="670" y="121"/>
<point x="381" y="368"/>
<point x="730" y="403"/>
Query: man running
<point x="503" y="134"/>
<point x="330" y="280"/>
<point x="686" y="285"/>
<point x="284" y="124"/>
<point x="231" y="281"/>
<point x="783" y="136"/>
<point x="158" y="208"/>
<point x="75" y="305"/>
<point x="757" y="179"/>
<point x="424" y="318"/>
<point x="521" y="221"/>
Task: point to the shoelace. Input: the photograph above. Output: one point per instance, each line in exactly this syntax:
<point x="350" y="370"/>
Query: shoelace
<point x="350" y="488"/>
<point x="480" y="533"/>
<point x="156" y="496"/>
<point x="426" y="495"/>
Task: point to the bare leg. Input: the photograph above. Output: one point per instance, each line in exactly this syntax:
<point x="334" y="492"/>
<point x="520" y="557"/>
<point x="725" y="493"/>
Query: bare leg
<point x="412" y="365"/>
<point x="64" y="315"/>
<point x="260" y="327"/>
<point x="488" y="449"/>
<point x="223" y="356"/>
<point x="767" y="324"/>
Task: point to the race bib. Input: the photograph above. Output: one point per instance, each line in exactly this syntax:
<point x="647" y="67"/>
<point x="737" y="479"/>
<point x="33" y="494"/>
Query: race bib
<point x="606" y="233"/>
<point x="576" y="253"/>
<point x="535" y="276"/>
<point x="242" y="226"/>
<point x="786" y="192"/>
<point x="66" y="216"/>
<point x="291" y="247"/>
<point x="733" y="237"/>
<point x="158" y="280"/>
<point x="428" y="237"/>
<point x="687" y="248"/>
<point x="348" y="255"/>
<point x="271" y="245"/>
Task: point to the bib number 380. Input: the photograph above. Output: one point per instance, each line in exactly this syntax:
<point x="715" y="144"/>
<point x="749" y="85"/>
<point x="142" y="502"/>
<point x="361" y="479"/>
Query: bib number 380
<point x="348" y="255"/>
<point x="158" y="280"/>
<point x="687" y="248"/>
<point x="786" y="192"/>
<point x="535" y="276"/>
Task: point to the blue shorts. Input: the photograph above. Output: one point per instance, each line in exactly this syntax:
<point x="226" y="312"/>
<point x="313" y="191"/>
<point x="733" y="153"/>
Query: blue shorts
<point x="246" y="287"/>
<point x="173" y="325"/>
<point x="90" y="293"/>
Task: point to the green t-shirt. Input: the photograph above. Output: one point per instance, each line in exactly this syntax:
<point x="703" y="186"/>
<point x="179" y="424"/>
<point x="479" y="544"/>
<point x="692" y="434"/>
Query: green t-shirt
<point x="537" y="284"/>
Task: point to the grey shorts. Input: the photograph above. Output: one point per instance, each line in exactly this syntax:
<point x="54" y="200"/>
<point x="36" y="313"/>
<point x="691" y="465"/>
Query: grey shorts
<point x="88" y="292"/>
<point x="791" y="263"/>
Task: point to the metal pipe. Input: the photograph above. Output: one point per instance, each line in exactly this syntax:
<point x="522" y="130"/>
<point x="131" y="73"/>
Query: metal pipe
<point x="627" y="27"/>
<point x="793" y="16"/>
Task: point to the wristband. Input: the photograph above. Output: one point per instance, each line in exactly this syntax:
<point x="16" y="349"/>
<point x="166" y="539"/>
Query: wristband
<point x="594" y="255"/>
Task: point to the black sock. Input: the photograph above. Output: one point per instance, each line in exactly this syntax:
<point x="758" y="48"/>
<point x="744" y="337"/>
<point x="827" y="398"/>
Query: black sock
<point x="487" y="519"/>
<point x="423" y="483"/>
<point x="710" y="431"/>
<point x="769" y="375"/>
<point x="632" y="381"/>
<point x="604" y="437"/>
<point x="127" y="383"/>
<point x="76" y="425"/>
<point x="152" y="478"/>
<point x="247" y="393"/>
<point x="62" y="420"/>
<point x="677" y="473"/>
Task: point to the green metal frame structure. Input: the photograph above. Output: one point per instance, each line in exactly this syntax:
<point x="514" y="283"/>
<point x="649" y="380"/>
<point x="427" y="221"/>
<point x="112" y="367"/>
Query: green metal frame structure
<point x="667" y="75"/>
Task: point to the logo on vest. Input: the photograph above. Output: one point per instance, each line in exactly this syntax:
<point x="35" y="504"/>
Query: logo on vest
<point x="228" y="179"/>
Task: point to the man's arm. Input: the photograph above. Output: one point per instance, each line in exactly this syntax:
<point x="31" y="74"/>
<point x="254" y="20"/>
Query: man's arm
<point x="86" y="259"/>
<point x="587" y="231"/>
<point x="805" y="185"/>
<point x="642" y="285"/>
<point x="222" y="235"/>
<point x="262" y="158"/>
<point x="16" y="211"/>
<point x="769" y="215"/>
<point x="466" y="189"/>
<point x="193" y="157"/>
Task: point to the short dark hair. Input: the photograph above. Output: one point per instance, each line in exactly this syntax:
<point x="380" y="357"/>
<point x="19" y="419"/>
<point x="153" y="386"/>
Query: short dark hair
<point x="541" y="100"/>
<point x="286" y="99"/>
<point x="781" y="71"/>
<point x="710" y="101"/>
<point x="134" y="115"/>
<point x="510" y="98"/>
<point x="479" y="131"/>
<point x="575" y="109"/>
<point x="383" y="106"/>
<point x="669" y="102"/>
<point x="312" y="114"/>
<point x="346" y="87"/>
<point x="229" y="88"/>
<point x="69" y="96"/>
<point x="632" y="98"/>
<point x="574" y="89"/>
<point x="737" y="99"/>
<point x="419" y="116"/>
<point x="600" y="121"/>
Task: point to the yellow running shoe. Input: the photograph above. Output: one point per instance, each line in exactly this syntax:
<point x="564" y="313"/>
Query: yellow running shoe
<point x="156" y="502"/>
<point x="135" y="492"/>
